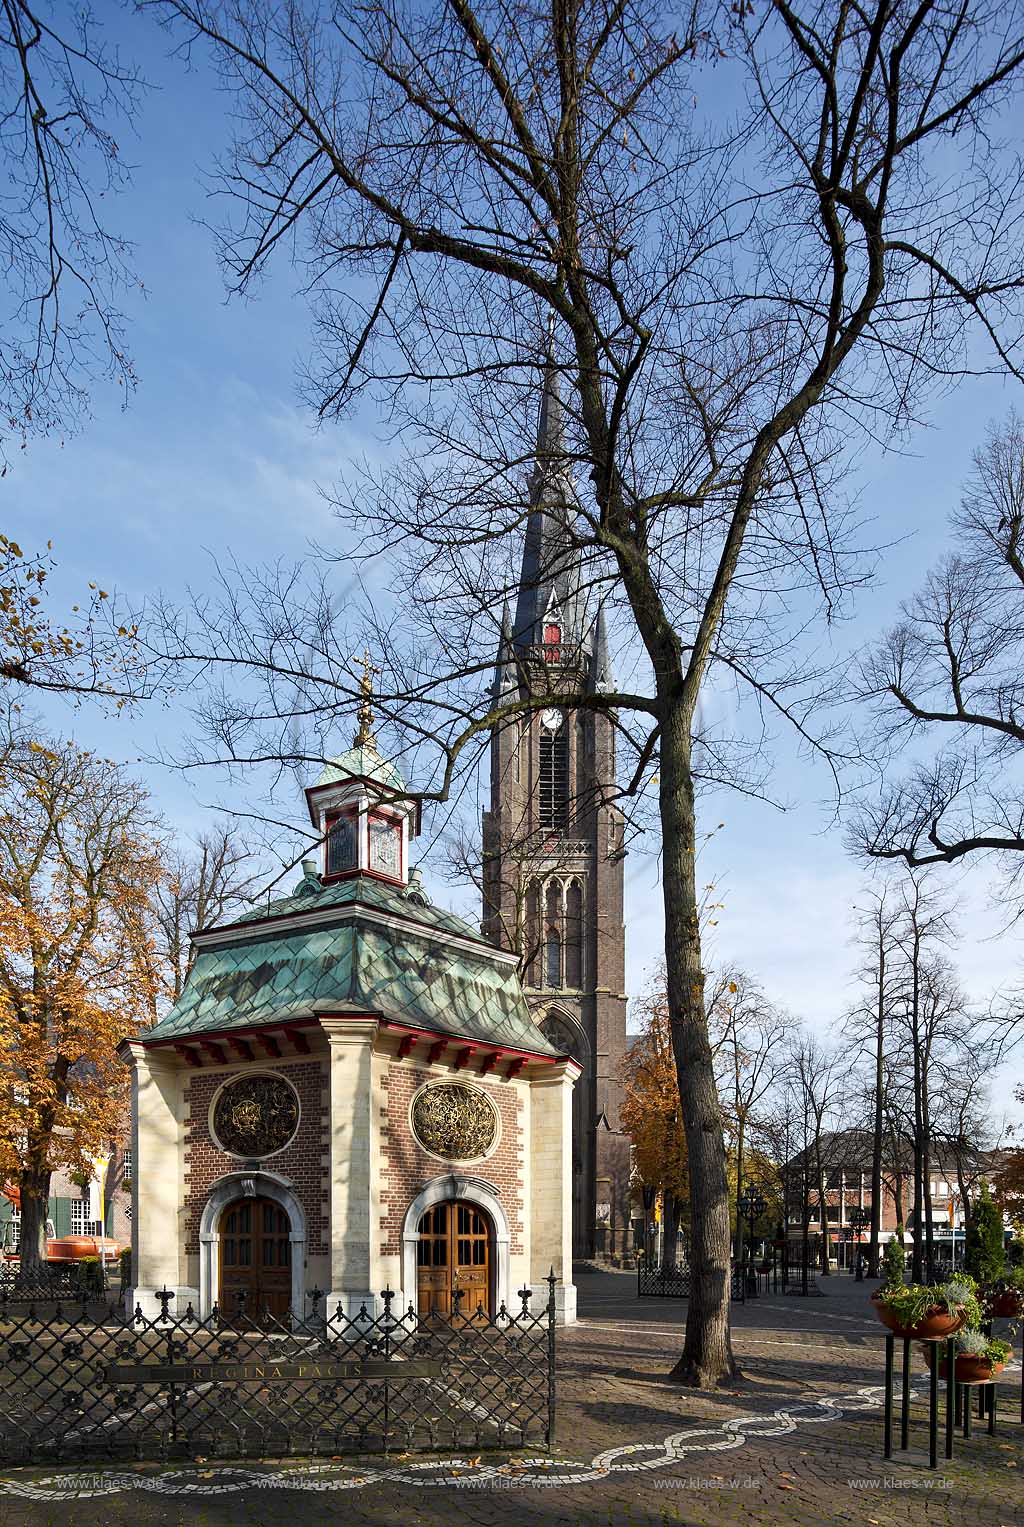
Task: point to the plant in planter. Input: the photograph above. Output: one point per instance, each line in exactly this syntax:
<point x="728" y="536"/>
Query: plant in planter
<point x="929" y="1310"/>
<point x="1005" y="1298"/>
<point x="978" y="1357"/>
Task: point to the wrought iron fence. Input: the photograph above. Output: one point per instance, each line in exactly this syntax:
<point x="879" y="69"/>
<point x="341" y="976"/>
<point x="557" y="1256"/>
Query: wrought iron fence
<point x="86" y="1380"/>
<point x="52" y="1280"/>
<point x="674" y="1282"/>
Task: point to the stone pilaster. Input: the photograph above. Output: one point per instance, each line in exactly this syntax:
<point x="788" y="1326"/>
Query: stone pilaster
<point x="157" y="1131"/>
<point x="354" y="1165"/>
<point x="551" y="1188"/>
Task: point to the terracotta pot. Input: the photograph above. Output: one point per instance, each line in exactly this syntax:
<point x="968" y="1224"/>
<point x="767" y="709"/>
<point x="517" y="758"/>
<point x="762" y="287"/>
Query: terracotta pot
<point x="1004" y="1303"/>
<point x="936" y="1323"/>
<point x="967" y="1369"/>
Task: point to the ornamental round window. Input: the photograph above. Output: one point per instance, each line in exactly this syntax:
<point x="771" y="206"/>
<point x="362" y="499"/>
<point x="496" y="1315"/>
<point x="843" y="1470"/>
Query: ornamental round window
<point x="454" y="1121"/>
<point x="255" y="1116"/>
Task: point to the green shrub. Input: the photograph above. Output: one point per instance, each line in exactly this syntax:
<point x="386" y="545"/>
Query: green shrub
<point x="1015" y="1253"/>
<point x="91" y="1275"/>
<point x="125" y="1259"/>
<point x="894" y="1259"/>
<point x="984" y="1251"/>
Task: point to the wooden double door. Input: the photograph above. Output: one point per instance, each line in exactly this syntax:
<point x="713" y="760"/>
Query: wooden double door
<point x="255" y="1255"/>
<point x="455" y="1253"/>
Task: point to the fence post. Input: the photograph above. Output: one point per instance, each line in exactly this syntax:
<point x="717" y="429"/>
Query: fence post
<point x="387" y="1295"/>
<point x="551" y="1358"/>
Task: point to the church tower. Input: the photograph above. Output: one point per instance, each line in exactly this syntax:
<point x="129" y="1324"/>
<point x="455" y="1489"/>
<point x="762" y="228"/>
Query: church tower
<point x="552" y="838"/>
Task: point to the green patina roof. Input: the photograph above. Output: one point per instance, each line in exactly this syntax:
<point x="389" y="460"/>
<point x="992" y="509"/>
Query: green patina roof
<point x="363" y="760"/>
<point x="411" y="974"/>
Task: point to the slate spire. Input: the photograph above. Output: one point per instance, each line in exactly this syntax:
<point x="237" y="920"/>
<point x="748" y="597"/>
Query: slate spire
<point x="549" y="581"/>
<point x="599" y="675"/>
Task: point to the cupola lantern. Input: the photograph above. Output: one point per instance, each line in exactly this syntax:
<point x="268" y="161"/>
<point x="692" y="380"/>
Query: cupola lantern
<point x="360" y="806"/>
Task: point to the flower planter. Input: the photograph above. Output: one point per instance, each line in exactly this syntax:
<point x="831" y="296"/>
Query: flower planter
<point x="1004" y="1303"/>
<point x="967" y="1369"/>
<point x="936" y="1324"/>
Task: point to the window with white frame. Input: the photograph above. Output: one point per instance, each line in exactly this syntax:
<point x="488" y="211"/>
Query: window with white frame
<point x="126" y="1166"/>
<point x="81" y="1224"/>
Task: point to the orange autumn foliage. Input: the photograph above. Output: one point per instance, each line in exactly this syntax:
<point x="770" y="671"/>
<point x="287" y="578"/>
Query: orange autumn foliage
<point x="78" y="867"/>
<point x="650" y="1111"/>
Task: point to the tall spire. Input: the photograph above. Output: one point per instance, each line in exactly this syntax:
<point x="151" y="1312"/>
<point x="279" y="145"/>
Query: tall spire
<point x="551" y="425"/>
<point x="549" y="582"/>
<point x="505" y="667"/>
<point x="600" y="673"/>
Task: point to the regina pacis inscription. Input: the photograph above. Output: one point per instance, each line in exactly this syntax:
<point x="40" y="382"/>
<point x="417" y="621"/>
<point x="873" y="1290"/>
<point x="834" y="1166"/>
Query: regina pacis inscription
<point x="134" y="1374"/>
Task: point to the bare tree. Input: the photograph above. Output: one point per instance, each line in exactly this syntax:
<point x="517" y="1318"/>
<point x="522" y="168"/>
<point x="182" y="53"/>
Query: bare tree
<point x="734" y="306"/>
<point x="202" y="884"/>
<point x="63" y="95"/>
<point x="870" y="1023"/>
<point x="951" y="671"/>
<point x="750" y="1032"/>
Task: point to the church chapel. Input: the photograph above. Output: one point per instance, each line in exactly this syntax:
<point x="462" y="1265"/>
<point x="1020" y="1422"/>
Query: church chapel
<point x="351" y="1094"/>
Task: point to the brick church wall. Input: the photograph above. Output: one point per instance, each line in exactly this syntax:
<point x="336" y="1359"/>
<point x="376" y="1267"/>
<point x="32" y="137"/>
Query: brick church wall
<point x="303" y="1162"/>
<point x="407" y="1168"/>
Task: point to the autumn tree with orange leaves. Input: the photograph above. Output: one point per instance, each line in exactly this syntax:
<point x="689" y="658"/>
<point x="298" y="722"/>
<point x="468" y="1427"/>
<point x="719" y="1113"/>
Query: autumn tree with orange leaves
<point x="79" y="865"/>
<point x="651" y="1115"/>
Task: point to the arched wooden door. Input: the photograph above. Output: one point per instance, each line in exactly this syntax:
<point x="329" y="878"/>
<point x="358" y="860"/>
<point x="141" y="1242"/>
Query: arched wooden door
<point x="255" y="1255"/>
<point x="455" y="1253"/>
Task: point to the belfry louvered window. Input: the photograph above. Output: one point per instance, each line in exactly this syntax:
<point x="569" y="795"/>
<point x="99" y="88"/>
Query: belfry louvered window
<point x="553" y="797"/>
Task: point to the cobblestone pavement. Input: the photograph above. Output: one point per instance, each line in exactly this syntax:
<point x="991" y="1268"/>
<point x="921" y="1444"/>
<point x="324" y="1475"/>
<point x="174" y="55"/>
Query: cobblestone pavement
<point x="798" y="1441"/>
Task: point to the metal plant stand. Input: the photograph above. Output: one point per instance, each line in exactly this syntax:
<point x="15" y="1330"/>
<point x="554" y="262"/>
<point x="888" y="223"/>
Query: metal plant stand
<point x="959" y="1398"/>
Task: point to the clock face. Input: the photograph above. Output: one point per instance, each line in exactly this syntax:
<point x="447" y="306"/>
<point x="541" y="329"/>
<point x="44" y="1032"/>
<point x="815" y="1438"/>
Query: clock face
<point x="551" y="719"/>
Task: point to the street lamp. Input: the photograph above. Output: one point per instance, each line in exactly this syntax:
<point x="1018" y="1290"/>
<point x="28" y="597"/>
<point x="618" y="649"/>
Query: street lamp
<point x="751" y="1206"/>
<point x="860" y="1219"/>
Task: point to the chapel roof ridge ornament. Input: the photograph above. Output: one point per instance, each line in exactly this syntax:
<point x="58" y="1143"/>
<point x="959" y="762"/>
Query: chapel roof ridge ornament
<point x="365" y="736"/>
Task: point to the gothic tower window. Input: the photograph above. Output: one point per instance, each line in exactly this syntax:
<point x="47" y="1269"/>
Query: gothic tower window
<point x="553" y="800"/>
<point x="574" y="934"/>
<point x="553" y="935"/>
<point x="531" y="949"/>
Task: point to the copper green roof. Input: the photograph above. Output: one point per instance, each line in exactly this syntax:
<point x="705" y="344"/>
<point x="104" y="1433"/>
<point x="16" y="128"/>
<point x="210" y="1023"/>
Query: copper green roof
<point x="363" y="761"/>
<point x="343" y="958"/>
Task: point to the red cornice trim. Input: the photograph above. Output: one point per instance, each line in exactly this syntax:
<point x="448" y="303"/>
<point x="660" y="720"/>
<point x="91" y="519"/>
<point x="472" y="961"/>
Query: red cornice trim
<point x="499" y="1051"/>
<point x="252" y="1031"/>
<point x="268" y="1035"/>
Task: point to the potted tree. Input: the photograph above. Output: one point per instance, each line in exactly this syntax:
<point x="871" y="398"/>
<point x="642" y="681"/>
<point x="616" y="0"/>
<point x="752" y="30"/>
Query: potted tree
<point x="978" y="1357"/>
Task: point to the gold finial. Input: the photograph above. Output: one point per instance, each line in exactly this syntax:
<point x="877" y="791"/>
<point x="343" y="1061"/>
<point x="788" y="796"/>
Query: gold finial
<point x="364" y="737"/>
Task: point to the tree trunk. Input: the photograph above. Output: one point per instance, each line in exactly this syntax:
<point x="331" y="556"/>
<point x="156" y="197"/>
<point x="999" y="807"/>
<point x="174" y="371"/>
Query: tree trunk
<point x="707" y="1357"/>
<point x="876" y="1143"/>
<point x="739" y="1190"/>
<point x="897" y="1198"/>
<point x="35" y="1196"/>
<point x="670" y="1223"/>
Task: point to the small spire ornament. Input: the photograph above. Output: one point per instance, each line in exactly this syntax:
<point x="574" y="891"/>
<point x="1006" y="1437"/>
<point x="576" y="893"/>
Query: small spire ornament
<point x="365" y="737"/>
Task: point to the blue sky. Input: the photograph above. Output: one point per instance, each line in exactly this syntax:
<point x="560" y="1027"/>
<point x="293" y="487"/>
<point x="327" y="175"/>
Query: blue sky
<point x="215" y="458"/>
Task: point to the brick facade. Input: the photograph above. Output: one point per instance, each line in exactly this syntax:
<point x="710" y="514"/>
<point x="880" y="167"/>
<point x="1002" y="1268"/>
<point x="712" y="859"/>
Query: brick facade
<point x="303" y="1162"/>
<point x="406" y="1168"/>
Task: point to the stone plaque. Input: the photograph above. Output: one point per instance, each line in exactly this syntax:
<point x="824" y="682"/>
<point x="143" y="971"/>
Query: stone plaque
<point x="255" y="1116"/>
<point x="454" y="1121"/>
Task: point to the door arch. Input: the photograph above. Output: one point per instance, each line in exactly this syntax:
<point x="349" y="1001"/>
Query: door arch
<point x="255" y="1237"/>
<point x="455" y="1253"/>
